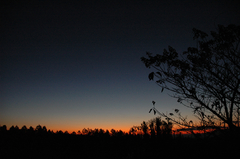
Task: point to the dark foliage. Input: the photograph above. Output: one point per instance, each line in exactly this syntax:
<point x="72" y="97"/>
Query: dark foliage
<point x="205" y="78"/>
<point x="155" y="129"/>
<point x="39" y="143"/>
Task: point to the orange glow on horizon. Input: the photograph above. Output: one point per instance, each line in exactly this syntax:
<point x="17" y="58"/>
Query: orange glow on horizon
<point x="126" y="130"/>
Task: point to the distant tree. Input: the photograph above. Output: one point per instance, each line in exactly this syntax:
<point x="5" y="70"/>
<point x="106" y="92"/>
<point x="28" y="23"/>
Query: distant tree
<point x="44" y="129"/>
<point x="107" y="133"/>
<point x="11" y="128"/>
<point x="152" y="130"/>
<point x="132" y="131"/>
<point x="90" y="131"/>
<point x="119" y="133"/>
<point x="156" y="127"/>
<point x="86" y="131"/>
<point x="50" y="131"/>
<point x="39" y="129"/>
<point x="3" y="129"/>
<point x="144" y="128"/>
<point x="60" y="132"/>
<point x="158" y="124"/>
<point x="166" y="129"/>
<point x="31" y="130"/>
<point x="205" y="78"/>
<point x="73" y="133"/>
<point x="113" y="132"/>
<point x="16" y="128"/>
<point x="101" y="132"/>
<point x="95" y="132"/>
<point x="24" y="129"/>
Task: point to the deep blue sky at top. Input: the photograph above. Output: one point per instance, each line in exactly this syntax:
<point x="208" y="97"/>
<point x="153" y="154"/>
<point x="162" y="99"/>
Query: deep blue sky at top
<point x="75" y="64"/>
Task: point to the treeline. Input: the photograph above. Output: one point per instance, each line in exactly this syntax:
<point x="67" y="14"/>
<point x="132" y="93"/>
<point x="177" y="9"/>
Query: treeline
<point x="154" y="128"/>
<point x="40" y="142"/>
<point x="151" y="139"/>
<point x="42" y="130"/>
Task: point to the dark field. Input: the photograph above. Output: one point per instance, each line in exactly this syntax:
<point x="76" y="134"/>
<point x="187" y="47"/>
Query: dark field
<point x="126" y="146"/>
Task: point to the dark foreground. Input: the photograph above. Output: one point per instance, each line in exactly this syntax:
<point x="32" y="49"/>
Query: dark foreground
<point x="80" y="146"/>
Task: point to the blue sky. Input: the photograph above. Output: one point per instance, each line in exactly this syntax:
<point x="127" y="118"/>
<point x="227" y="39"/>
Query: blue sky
<point x="75" y="65"/>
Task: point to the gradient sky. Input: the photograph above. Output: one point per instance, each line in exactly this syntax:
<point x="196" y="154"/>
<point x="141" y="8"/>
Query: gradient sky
<point x="74" y="65"/>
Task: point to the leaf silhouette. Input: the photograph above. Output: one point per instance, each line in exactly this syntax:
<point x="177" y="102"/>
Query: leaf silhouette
<point x="153" y="102"/>
<point x="150" y="76"/>
<point x="150" y="110"/>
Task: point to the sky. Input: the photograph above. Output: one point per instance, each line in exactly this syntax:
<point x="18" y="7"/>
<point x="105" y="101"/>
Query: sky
<point x="69" y="65"/>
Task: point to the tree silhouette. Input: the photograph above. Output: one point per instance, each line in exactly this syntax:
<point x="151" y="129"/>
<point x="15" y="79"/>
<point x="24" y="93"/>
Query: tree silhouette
<point x="30" y="130"/>
<point x="144" y="128"/>
<point x="132" y="131"/>
<point x="73" y="133"/>
<point x="98" y="142"/>
<point x="60" y="132"/>
<point x="3" y="129"/>
<point x="39" y="129"/>
<point x="44" y="128"/>
<point x="24" y="129"/>
<point x="86" y="131"/>
<point x="158" y="124"/>
<point x="113" y="132"/>
<point x="152" y="130"/>
<point x="14" y="130"/>
<point x="155" y="127"/>
<point x="119" y="133"/>
<point x="101" y="132"/>
<point x="167" y="129"/>
<point x="205" y="78"/>
<point x="107" y="134"/>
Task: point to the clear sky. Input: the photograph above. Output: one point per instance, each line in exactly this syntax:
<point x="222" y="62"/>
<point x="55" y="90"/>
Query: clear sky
<point x="71" y="65"/>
